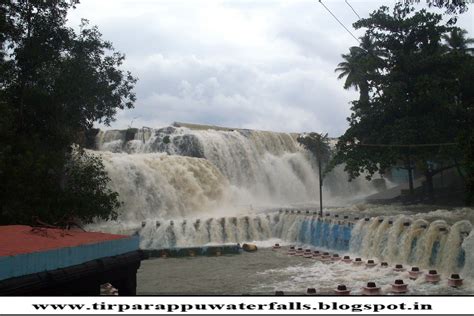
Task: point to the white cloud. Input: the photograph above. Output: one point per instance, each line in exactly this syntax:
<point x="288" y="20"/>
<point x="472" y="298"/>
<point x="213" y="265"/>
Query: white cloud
<point x="263" y="64"/>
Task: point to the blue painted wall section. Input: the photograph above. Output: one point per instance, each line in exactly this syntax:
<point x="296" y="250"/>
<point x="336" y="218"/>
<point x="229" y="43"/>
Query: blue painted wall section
<point x="336" y="235"/>
<point x="323" y="233"/>
<point x="24" y="264"/>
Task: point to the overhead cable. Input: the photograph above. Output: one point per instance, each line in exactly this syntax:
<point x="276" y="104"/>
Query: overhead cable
<point x="327" y="9"/>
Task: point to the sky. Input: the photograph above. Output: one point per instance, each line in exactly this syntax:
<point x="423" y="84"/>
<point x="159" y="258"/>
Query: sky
<point x="261" y="64"/>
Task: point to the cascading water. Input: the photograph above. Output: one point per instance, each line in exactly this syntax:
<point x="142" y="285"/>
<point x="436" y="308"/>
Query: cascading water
<point x="158" y="185"/>
<point x="189" y="187"/>
<point x="453" y="255"/>
<point x="467" y="247"/>
<point x="410" y="239"/>
<point x="173" y="172"/>
<point x="419" y="243"/>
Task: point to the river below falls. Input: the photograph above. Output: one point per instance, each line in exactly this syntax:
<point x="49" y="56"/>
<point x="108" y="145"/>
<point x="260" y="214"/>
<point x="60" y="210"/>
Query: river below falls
<point x="266" y="271"/>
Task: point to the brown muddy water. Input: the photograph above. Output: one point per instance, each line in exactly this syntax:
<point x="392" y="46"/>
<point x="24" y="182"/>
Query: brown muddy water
<point x="266" y="271"/>
<point x="223" y="275"/>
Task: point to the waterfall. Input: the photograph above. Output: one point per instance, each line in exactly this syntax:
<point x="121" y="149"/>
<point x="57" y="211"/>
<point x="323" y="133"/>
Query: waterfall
<point x="453" y="254"/>
<point x="419" y="243"/>
<point x="467" y="247"/>
<point x="204" y="231"/>
<point x="175" y="171"/>
<point x="158" y="185"/>
<point x="368" y="239"/>
<point x="399" y="228"/>
<point x="409" y="240"/>
<point x="195" y="186"/>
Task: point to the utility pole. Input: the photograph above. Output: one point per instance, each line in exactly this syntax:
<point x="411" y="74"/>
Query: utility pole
<point x="320" y="183"/>
<point x="410" y="173"/>
<point x="317" y="145"/>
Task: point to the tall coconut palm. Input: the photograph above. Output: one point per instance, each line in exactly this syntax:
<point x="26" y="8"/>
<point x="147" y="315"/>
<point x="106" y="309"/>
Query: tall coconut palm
<point x="458" y="41"/>
<point x="358" y="65"/>
<point x="353" y="70"/>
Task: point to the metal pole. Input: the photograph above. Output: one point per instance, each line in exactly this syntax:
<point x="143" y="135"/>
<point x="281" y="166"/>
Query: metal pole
<point x="320" y="184"/>
<point x="410" y="174"/>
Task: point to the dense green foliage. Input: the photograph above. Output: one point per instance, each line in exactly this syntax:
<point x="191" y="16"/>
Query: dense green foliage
<point x="55" y="83"/>
<point x="85" y="187"/>
<point x="415" y="78"/>
<point x="450" y="6"/>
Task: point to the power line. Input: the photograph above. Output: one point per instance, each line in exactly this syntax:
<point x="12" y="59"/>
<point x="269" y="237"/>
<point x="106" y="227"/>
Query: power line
<point x="347" y="2"/>
<point x="320" y="1"/>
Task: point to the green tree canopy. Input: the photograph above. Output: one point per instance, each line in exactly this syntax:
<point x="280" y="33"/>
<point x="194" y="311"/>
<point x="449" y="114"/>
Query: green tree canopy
<point x="458" y="42"/>
<point x="450" y="6"/>
<point x="416" y="96"/>
<point x="360" y="67"/>
<point x="55" y="83"/>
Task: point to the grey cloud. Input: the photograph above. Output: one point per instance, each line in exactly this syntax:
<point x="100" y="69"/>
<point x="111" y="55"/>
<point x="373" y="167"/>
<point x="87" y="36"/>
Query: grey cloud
<point x="250" y="64"/>
<point x="238" y="95"/>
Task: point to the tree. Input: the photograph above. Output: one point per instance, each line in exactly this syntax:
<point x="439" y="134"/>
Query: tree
<point x="54" y="85"/>
<point x="86" y="194"/>
<point x="359" y="67"/>
<point x="456" y="41"/>
<point x="451" y="7"/>
<point x="464" y="109"/>
<point x="413" y="105"/>
<point x="318" y="146"/>
<point x="353" y="70"/>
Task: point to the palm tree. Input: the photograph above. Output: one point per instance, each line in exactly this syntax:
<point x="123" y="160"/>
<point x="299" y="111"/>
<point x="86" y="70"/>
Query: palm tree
<point x="358" y="65"/>
<point x="458" y="41"/>
<point x="352" y="70"/>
